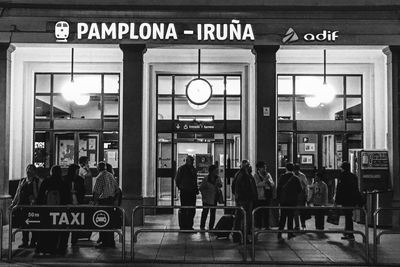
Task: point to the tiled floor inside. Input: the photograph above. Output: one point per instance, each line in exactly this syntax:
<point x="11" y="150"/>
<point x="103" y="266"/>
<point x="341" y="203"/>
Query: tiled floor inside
<point x="204" y="247"/>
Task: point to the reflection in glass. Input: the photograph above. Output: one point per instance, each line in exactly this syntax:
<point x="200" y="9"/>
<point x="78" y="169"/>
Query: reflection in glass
<point x="285" y="149"/>
<point x="285" y="108"/>
<point x="285" y="85"/>
<point x="233" y="108"/>
<point x="111" y="107"/>
<point x="85" y="84"/>
<point x="164" y="191"/>
<point x="331" y="111"/>
<point x="111" y="146"/>
<point x="64" y="109"/>
<point x="42" y="83"/>
<point x="164" y="149"/>
<point x="42" y="107"/>
<point x="353" y="109"/>
<point x="233" y="150"/>
<point x="233" y="85"/>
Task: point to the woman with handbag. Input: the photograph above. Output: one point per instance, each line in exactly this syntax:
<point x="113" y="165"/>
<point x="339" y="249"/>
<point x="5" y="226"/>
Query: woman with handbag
<point x="211" y="194"/>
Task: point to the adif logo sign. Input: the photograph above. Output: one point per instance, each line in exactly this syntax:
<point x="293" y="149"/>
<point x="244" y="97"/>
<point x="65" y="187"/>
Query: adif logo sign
<point x="61" y="31"/>
<point x="326" y="35"/>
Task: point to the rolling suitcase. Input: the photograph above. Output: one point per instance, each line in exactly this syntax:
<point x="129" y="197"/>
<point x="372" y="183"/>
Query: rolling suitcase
<point x="225" y="223"/>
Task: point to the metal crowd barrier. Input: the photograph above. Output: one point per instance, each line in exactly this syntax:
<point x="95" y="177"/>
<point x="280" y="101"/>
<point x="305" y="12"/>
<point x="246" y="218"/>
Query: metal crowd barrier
<point x="11" y="233"/>
<point x="255" y="233"/>
<point x="134" y="233"/>
<point x="377" y="236"/>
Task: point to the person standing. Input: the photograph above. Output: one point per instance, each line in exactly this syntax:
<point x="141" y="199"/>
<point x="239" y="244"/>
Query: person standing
<point x="319" y="197"/>
<point x="103" y="194"/>
<point x="288" y="189"/>
<point x="86" y="174"/>
<point x="302" y="199"/>
<point x="186" y="181"/>
<point x="347" y="195"/>
<point x="27" y="194"/>
<point x="209" y="193"/>
<point x="246" y="195"/>
<point x="264" y="184"/>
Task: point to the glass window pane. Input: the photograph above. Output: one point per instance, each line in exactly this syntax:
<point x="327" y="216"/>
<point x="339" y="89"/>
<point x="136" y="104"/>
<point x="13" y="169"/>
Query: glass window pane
<point x="43" y="83"/>
<point x="285" y="149"/>
<point x="233" y="108"/>
<point x="164" y="85"/>
<point x="164" y="150"/>
<point x="164" y="108"/>
<point x="65" y="149"/>
<point x="217" y="84"/>
<point x="89" y="147"/>
<point x="233" y="85"/>
<point x="42" y="107"/>
<point x="233" y="149"/>
<point x="64" y="109"/>
<point x="336" y="83"/>
<point x="307" y="85"/>
<point x="111" y="84"/>
<point x="285" y="85"/>
<point x="41" y="154"/>
<point x="82" y="83"/>
<point x="111" y="107"/>
<point x="353" y="85"/>
<point x="164" y="191"/>
<point x="181" y="82"/>
<point x="215" y="107"/>
<point x="285" y="108"/>
<point x="331" y="111"/>
<point x="353" y="109"/>
<point x="331" y="151"/>
<point x="111" y="146"/>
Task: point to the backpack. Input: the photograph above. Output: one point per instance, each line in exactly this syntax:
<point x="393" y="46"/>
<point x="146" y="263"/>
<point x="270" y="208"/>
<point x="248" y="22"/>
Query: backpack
<point x="53" y="197"/>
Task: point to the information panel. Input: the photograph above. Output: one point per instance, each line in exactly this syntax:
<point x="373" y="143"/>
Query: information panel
<point x="372" y="160"/>
<point x="67" y="217"/>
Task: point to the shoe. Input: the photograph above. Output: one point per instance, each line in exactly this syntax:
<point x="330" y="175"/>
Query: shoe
<point x="23" y="245"/>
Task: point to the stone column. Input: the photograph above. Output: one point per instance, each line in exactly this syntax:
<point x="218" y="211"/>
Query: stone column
<point x="266" y="106"/>
<point x="132" y="129"/>
<point x="5" y="79"/>
<point x="393" y="68"/>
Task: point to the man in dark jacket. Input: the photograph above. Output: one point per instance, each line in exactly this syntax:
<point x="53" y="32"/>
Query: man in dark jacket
<point x="246" y="195"/>
<point x="186" y="181"/>
<point x="288" y="189"/>
<point x="346" y="195"/>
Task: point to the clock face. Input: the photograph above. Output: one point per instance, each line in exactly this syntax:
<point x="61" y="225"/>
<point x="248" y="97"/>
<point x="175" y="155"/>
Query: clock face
<point x="198" y="91"/>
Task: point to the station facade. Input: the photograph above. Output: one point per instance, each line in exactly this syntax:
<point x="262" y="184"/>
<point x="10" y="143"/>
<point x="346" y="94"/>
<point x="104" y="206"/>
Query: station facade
<point x="130" y="106"/>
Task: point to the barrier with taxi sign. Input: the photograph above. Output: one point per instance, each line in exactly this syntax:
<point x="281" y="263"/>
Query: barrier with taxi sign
<point x="67" y="219"/>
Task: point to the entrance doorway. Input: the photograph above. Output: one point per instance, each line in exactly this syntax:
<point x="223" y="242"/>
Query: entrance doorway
<point x="211" y="134"/>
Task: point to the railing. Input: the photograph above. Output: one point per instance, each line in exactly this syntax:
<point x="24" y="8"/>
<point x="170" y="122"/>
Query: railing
<point x="134" y="233"/>
<point x="377" y="236"/>
<point x="121" y="232"/>
<point x="255" y="233"/>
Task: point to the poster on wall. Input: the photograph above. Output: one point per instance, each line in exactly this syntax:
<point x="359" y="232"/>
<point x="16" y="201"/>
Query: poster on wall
<point x="203" y="161"/>
<point x="83" y="148"/>
<point x="309" y="147"/>
<point x="307" y="159"/>
<point x="66" y="153"/>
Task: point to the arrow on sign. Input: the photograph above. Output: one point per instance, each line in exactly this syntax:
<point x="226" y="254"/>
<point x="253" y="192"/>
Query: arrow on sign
<point x="31" y="221"/>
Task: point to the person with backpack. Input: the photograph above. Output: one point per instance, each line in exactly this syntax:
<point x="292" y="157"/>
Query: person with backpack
<point x="27" y="194"/>
<point x="209" y="193"/>
<point x="53" y="192"/>
<point x="104" y="192"/>
<point x="288" y="189"/>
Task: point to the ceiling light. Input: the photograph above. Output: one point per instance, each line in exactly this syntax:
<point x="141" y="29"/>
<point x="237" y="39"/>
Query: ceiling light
<point x="312" y="101"/>
<point x="82" y="100"/>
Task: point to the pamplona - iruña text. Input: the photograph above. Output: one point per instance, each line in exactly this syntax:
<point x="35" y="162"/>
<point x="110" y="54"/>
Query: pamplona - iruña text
<point x="233" y="31"/>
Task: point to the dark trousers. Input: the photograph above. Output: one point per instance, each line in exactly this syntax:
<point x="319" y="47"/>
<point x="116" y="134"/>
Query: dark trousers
<point x="239" y="221"/>
<point x="204" y="215"/>
<point x="348" y="216"/>
<point x="262" y="215"/>
<point x="299" y="215"/>
<point x="319" y="219"/>
<point x="107" y="238"/>
<point x="286" y="214"/>
<point x="188" y="198"/>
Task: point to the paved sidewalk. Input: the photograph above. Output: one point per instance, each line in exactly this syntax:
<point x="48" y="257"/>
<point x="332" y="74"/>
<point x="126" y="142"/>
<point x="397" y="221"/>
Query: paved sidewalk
<point x="193" y="248"/>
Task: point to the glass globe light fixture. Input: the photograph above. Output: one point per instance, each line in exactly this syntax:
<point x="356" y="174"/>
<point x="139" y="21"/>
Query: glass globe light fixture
<point x="82" y="99"/>
<point x="197" y="107"/>
<point x="198" y="91"/>
<point x="312" y="101"/>
<point x="70" y="91"/>
<point x="325" y="93"/>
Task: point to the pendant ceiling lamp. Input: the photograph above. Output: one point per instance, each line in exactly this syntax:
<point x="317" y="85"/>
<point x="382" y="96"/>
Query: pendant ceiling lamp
<point x="324" y="93"/>
<point x="71" y="91"/>
<point x="198" y="90"/>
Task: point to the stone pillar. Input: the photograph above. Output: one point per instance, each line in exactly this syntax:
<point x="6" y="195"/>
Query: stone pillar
<point x="5" y="79"/>
<point x="132" y="129"/>
<point x="393" y="68"/>
<point x="266" y="106"/>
